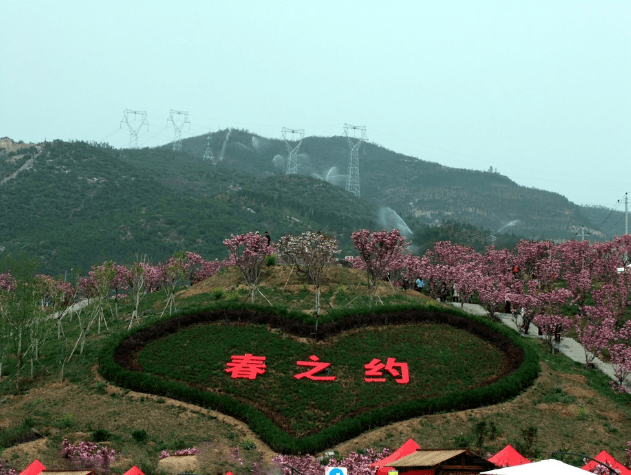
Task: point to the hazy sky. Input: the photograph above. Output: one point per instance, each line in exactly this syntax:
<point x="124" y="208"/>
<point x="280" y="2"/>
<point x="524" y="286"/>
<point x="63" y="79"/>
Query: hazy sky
<point x="539" y="90"/>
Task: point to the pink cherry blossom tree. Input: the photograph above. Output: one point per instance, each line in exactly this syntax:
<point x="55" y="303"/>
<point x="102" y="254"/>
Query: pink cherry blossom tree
<point x="248" y="253"/>
<point x="380" y="252"/>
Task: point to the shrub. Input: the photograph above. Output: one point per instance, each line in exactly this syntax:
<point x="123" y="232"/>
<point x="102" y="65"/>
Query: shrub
<point x="139" y="436"/>
<point x="271" y="260"/>
<point x="582" y="413"/>
<point x="100" y="435"/>
<point x="217" y="294"/>
<point x="67" y="420"/>
<point x="6" y="470"/>
<point x="87" y="455"/>
<point x="247" y="445"/>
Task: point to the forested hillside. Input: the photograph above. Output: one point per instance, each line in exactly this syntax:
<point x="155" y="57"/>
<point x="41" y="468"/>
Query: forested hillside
<point x="427" y="190"/>
<point x="75" y="204"/>
<point x="80" y="204"/>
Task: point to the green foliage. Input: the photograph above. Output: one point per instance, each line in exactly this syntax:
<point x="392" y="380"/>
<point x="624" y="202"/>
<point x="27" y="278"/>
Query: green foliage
<point x="100" y="435"/>
<point x="218" y="293"/>
<point x="139" y="435"/>
<point x="67" y="421"/>
<point x="526" y="446"/>
<point x="582" y="413"/>
<point x="442" y="360"/>
<point x="463" y="441"/>
<point x="271" y="260"/>
<point x="247" y="445"/>
<point x="17" y="435"/>
<point x="279" y="439"/>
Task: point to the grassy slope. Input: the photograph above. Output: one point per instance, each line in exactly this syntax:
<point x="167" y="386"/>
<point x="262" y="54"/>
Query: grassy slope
<point x="83" y="403"/>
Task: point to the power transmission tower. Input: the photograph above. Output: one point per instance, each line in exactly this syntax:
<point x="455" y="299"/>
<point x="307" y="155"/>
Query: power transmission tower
<point x="179" y="119"/>
<point x="208" y="154"/>
<point x="292" y="135"/>
<point x="134" y="120"/>
<point x="355" y="138"/>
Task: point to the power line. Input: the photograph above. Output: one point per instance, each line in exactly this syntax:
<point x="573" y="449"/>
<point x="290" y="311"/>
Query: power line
<point x="609" y="215"/>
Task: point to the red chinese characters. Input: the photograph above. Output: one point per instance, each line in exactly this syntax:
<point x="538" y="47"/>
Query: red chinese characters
<point x="249" y="366"/>
<point x="375" y="369"/>
<point x="246" y="366"/>
<point x="317" y="367"/>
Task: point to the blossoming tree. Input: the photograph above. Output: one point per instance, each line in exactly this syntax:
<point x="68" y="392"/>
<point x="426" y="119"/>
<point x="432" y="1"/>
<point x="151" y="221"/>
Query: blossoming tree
<point x="248" y="253"/>
<point x="380" y="252"/>
<point x="309" y="253"/>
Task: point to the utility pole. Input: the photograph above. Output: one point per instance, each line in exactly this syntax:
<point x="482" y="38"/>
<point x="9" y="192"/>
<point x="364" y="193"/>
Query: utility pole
<point x="179" y="119"/>
<point x="208" y="154"/>
<point x="292" y="135"/>
<point x="134" y="120"/>
<point x="354" y="141"/>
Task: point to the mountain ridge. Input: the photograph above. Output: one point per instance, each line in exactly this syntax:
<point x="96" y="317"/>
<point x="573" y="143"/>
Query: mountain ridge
<point x="75" y="204"/>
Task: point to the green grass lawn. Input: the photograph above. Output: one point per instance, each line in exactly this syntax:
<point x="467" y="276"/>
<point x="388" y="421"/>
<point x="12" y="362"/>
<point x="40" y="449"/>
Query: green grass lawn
<point x="441" y="359"/>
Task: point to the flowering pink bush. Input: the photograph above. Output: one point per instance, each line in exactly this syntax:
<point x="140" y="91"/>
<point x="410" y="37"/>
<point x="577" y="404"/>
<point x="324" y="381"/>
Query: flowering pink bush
<point x="357" y="464"/>
<point x="248" y="253"/>
<point x="87" y="455"/>
<point x="5" y="470"/>
<point x="7" y="282"/>
<point x="190" y="451"/>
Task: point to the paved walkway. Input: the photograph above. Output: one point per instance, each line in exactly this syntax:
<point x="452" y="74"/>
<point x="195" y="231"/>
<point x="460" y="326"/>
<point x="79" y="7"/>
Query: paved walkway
<point x="568" y="346"/>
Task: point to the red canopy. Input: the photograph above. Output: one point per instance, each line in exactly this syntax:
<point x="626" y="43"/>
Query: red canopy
<point x="35" y="468"/>
<point x="406" y="449"/>
<point x="508" y="457"/>
<point x="609" y="460"/>
<point x="134" y="471"/>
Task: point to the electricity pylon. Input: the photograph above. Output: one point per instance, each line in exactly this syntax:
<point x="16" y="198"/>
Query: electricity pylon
<point x="208" y="154"/>
<point x="358" y="136"/>
<point x="291" y="135"/>
<point x="138" y="119"/>
<point x="178" y="125"/>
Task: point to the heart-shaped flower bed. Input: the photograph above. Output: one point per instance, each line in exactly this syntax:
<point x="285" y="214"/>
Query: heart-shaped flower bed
<point x="452" y="361"/>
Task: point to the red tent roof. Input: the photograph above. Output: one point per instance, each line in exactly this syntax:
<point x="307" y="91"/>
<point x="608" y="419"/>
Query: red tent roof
<point x="134" y="471"/>
<point x="609" y="460"/>
<point x="35" y="468"/>
<point x="508" y="457"/>
<point x="406" y="449"/>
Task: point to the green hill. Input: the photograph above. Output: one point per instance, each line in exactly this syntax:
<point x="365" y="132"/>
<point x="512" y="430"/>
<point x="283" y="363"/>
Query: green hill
<point x="79" y="204"/>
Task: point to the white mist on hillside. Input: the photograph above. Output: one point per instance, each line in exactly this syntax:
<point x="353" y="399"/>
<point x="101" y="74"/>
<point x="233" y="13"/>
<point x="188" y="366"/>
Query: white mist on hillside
<point x="332" y="176"/>
<point x="512" y="223"/>
<point x="389" y="219"/>
<point x="260" y="144"/>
